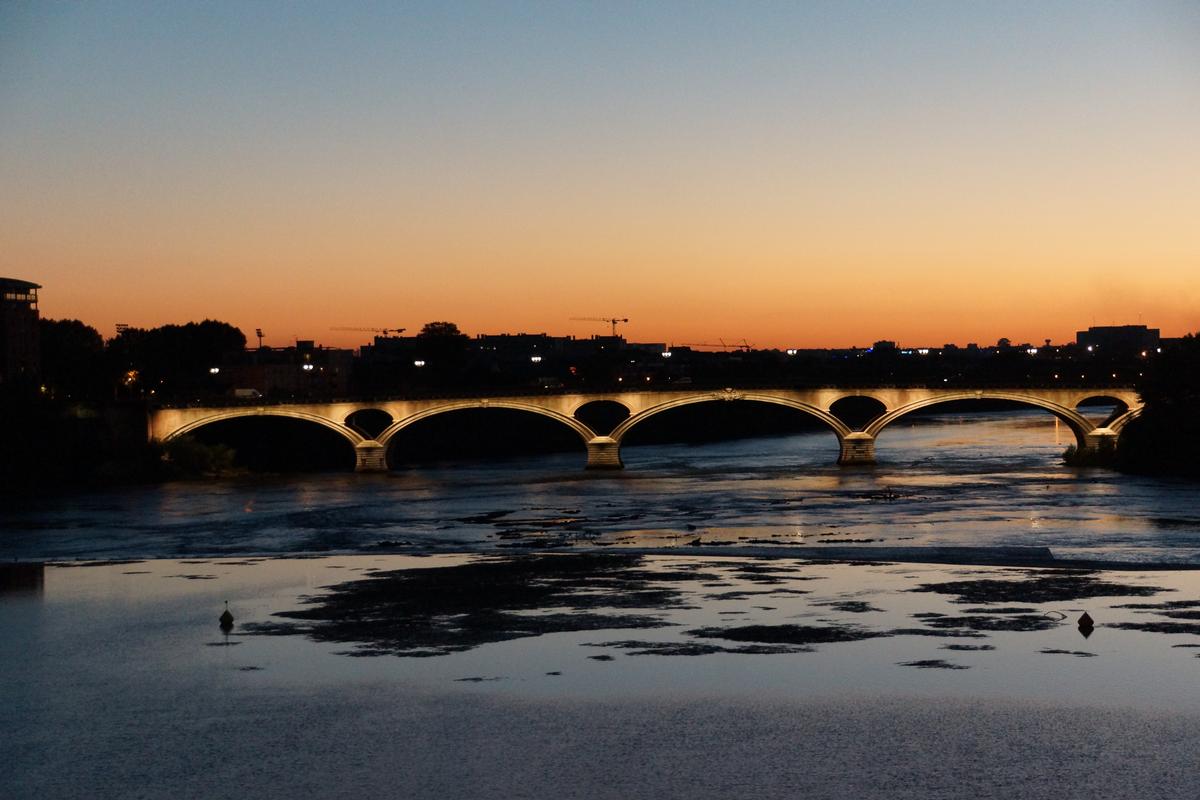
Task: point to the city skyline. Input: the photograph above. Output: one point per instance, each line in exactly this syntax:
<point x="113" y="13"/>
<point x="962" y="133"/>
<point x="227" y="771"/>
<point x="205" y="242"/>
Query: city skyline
<point x="816" y="176"/>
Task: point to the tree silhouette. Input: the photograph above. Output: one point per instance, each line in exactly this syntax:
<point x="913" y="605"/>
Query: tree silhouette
<point x="72" y="359"/>
<point x="440" y="329"/>
<point x="1166" y="437"/>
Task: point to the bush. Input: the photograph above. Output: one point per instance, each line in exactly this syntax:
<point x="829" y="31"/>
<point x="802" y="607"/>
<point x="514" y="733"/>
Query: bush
<point x="1074" y="457"/>
<point x="188" y="457"/>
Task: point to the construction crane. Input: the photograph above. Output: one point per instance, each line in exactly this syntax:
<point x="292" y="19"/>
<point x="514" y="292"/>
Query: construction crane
<point x="610" y="320"/>
<point x="382" y="331"/>
<point x="744" y="346"/>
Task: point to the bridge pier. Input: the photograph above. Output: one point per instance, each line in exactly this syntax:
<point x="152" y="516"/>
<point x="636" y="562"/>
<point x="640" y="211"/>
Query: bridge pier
<point x="604" y="452"/>
<point x="1100" y="441"/>
<point x="370" y="456"/>
<point x="857" y="448"/>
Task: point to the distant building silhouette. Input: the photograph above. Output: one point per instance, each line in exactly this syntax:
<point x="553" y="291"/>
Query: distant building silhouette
<point x="1119" y="339"/>
<point x="306" y="370"/>
<point x="20" y="355"/>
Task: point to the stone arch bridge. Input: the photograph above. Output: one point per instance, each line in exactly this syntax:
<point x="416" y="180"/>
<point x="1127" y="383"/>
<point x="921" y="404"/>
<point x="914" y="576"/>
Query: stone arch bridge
<point x="857" y="445"/>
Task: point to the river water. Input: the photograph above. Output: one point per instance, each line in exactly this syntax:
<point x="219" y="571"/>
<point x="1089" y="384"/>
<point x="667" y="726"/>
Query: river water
<point x="991" y="479"/>
<point x="523" y="629"/>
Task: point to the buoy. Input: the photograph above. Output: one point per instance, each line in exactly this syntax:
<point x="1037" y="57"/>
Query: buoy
<point x="1086" y="624"/>
<point x="226" y="618"/>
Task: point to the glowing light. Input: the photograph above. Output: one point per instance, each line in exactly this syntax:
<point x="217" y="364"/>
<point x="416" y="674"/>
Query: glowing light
<point x="666" y="353"/>
<point x="1033" y="351"/>
<point x="307" y="367"/>
<point x="792" y="351"/>
<point x="536" y="359"/>
<point x="418" y="363"/>
<point x="213" y="370"/>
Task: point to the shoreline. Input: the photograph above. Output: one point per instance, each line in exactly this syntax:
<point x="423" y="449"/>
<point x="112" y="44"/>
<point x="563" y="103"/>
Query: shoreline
<point x="1028" y="557"/>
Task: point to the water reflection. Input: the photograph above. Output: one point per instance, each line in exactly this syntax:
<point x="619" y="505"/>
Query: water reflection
<point x="22" y="579"/>
<point x="991" y="479"/>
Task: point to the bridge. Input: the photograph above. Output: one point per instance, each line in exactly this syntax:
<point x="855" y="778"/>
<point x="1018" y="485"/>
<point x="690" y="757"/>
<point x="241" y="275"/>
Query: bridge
<point x="856" y="444"/>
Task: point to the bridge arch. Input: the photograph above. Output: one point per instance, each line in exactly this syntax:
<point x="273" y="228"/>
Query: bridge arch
<point x="238" y="413"/>
<point x="1080" y="425"/>
<point x="839" y="428"/>
<point x="602" y="415"/>
<point x="1117" y="424"/>
<point x="584" y="432"/>
<point x="858" y="410"/>
<point x="368" y="422"/>
<point x="1120" y="407"/>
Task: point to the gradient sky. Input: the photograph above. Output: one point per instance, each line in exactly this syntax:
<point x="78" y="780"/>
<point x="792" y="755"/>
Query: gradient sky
<point x="817" y="174"/>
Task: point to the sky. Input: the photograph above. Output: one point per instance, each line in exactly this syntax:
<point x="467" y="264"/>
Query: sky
<point x="816" y="174"/>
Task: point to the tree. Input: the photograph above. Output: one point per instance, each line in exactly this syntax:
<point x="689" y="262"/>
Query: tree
<point x="172" y="360"/>
<point x="72" y="360"/>
<point x="444" y="349"/>
<point x="1165" y="438"/>
<point x="441" y="329"/>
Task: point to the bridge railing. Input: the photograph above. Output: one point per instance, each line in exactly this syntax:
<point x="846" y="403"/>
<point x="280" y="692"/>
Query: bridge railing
<point x="223" y="401"/>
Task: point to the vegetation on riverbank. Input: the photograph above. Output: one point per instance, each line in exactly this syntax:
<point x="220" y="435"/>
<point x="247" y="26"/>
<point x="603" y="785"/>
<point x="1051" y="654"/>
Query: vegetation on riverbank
<point x="1104" y="457"/>
<point x="186" y="457"/>
<point x="1165" y="438"/>
<point x="53" y="445"/>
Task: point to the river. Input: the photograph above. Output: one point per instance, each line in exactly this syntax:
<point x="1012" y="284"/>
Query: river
<point x="521" y="628"/>
<point x="988" y="479"/>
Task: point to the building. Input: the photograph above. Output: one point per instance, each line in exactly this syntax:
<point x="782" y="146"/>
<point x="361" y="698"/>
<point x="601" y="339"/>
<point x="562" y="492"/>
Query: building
<point x="20" y="354"/>
<point x="1119" y="339"/>
<point x="305" y="371"/>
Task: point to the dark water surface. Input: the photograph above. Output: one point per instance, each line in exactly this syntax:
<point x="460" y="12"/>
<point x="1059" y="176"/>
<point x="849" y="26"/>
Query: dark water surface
<point x="521" y="629"/>
<point x="597" y="676"/>
<point x="979" y="480"/>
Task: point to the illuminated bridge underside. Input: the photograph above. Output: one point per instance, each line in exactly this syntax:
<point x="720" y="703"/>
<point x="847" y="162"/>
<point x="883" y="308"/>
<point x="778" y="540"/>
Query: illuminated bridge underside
<point x="857" y="446"/>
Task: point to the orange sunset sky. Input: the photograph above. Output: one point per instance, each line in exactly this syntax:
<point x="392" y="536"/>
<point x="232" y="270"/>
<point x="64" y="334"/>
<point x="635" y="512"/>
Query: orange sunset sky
<point x="798" y="175"/>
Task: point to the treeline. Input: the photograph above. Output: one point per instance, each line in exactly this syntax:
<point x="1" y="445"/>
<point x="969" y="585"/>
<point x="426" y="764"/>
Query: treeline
<point x="1165" y="438"/>
<point x="83" y="420"/>
<point x="169" y="361"/>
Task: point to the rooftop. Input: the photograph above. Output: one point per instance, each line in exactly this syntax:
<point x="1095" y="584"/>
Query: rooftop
<point x="14" y="283"/>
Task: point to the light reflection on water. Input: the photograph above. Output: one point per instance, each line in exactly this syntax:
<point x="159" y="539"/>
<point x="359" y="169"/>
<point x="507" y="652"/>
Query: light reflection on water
<point x="984" y="479"/>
